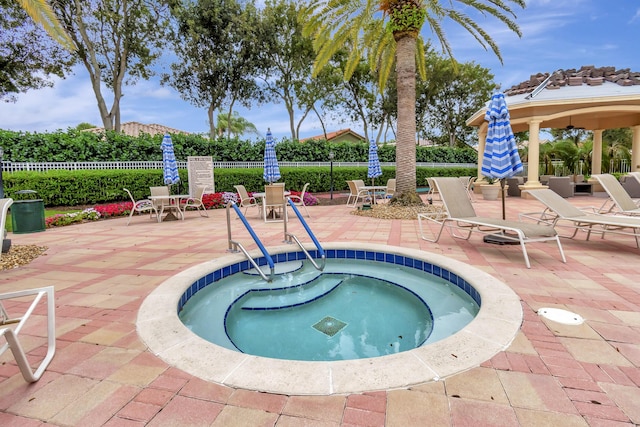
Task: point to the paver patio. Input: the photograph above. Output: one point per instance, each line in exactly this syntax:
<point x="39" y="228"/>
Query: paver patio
<point x="102" y="374"/>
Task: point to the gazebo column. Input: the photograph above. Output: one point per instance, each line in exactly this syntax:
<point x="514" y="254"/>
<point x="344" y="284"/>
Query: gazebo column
<point x="482" y="143"/>
<point x="596" y="155"/>
<point x="596" y="161"/>
<point x="534" y="159"/>
<point x="635" y="149"/>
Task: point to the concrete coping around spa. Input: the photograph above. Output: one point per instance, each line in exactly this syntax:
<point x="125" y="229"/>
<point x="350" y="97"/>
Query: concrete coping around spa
<point x="492" y="331"/>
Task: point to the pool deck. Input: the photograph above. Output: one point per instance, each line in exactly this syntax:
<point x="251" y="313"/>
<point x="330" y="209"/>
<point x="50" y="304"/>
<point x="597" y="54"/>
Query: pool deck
<point x="103" y="375"/>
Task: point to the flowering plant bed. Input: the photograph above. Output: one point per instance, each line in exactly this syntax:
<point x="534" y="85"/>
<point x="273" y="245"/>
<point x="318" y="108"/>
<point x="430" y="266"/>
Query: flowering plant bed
<point x="112" y="210"/>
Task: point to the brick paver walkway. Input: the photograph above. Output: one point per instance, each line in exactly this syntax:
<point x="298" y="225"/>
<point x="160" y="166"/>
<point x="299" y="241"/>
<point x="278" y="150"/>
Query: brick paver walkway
<point x="102" y="375"/>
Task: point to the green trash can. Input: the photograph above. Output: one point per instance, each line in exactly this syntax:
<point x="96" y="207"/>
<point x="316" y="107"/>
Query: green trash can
<point x="27" y="216"/>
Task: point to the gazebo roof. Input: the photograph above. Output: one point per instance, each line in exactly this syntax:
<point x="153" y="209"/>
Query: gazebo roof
<point x="589" y="98"/>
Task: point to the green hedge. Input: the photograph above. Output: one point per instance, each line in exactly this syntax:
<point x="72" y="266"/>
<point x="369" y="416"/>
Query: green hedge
<point x="91" y="187"/>
<point x="76" y="146"/>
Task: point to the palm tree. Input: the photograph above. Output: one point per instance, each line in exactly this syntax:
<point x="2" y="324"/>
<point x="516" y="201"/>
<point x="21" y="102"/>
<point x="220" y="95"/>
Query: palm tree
<point x="238" y="126"/>
<point x="389" y="30"/>
<point x="41" y="13"/>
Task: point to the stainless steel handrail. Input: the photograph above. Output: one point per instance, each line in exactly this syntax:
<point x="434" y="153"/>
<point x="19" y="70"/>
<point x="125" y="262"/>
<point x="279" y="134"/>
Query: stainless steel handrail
<point x="289" y="237"/>
<point x="234" y="245"/>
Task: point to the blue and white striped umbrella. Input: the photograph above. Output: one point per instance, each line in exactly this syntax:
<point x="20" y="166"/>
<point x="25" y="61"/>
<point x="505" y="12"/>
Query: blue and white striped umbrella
<point x="374" y="170"/>
<point x="169" y="164"/>
<point x="501" y="158"/>
<point x="271" y="170"/>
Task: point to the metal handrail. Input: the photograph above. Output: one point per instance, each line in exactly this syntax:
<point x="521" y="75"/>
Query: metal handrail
<point x="288" y="237"/>
<point x="234" y="246"/>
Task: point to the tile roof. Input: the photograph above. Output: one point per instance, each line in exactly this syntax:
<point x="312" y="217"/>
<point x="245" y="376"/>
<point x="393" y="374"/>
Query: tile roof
<point x="333" y="135"/>
<point x="135" y="128"/>
<point x="587" y="74"/>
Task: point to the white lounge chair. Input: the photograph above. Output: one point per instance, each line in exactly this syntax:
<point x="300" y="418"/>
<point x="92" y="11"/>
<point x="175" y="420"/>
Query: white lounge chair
<point x="11" y="334"/>
<point x="4" y="207"/>
<point x="621" y="202"/>
<point x="559" y="212"/>
<point x="460" y="215"/>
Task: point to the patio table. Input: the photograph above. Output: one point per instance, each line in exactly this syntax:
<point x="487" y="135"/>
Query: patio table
<point x="375" y="189"/>
<point x="172" y="204"/>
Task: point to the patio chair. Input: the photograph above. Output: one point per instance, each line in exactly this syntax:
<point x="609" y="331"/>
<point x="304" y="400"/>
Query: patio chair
<point x="460" y="215"/>
<point x="246" y="201"/>
<point x="195" y="201"/>
<point x="513" y="184"/>
<point x="355" y="193"/>
<point x="468" y="181"/>
<point x="159" y="191"/>
<point x="140" y="206"/>
<point x="559" y="211"/>
<point x="11" y="334"/>
<point x="563" y="185"/>
<point x="620" y="201"/>
<point x="299" y="200"/>
<point x="4" y="207"/>
<point x="163" y="204"/>
<point x="391" y="188"/>
<point x="433" y="190"/>
<point x="274" y="203"/>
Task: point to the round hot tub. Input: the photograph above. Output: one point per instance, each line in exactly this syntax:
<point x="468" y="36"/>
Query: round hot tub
<point x="457" y="340"/>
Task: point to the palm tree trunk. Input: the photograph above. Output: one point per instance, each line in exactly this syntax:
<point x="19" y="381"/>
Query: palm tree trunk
<point x="406" y="141"/>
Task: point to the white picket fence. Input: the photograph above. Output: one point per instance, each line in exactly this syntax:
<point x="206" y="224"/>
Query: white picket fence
<point x="47" y="166"/>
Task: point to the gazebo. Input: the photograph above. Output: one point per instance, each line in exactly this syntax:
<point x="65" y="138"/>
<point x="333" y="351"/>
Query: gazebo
<point x="591" y="98"/>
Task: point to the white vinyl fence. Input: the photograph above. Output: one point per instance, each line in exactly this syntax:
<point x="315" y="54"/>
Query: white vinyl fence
<point x="47" y="166"/>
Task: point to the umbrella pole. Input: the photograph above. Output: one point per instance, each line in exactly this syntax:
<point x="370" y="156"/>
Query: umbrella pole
<point x="504" y="216"/>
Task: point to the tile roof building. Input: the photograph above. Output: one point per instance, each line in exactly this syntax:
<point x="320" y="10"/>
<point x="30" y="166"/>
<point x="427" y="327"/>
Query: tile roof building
<point x="343" y="135"/>
<point x="136" y="128"/>
<point x="590" y="98"/>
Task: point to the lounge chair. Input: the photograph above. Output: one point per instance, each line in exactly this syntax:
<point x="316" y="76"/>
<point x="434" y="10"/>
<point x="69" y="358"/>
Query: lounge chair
<point x="140" y="206"/>
<point x="299" y="200"/>
<point x="559" y="212"/>
<point x="631" y="183"/>
<point x="10" y="328"/>
<point x="4" y="207"/>
<point x="621" y="201"/>
<point x="462" y="216"/>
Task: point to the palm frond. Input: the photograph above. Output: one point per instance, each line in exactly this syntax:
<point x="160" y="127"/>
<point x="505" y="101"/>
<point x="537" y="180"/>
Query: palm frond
<point x="41" y="13"/>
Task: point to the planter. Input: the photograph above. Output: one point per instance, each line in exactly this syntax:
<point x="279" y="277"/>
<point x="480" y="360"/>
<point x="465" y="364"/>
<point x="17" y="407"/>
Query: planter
<point x="490" y="191"/>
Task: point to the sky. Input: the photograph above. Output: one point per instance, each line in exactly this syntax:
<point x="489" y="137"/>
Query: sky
<point x="556" y="35"/>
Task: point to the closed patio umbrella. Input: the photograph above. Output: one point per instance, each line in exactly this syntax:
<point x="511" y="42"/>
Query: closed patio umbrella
<point x="374" y="170"/>
<point x="169" y="167"/>
<point x="169" y="164"/>
<point x="501" y="159"/>
<point x="271" y="170"/>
